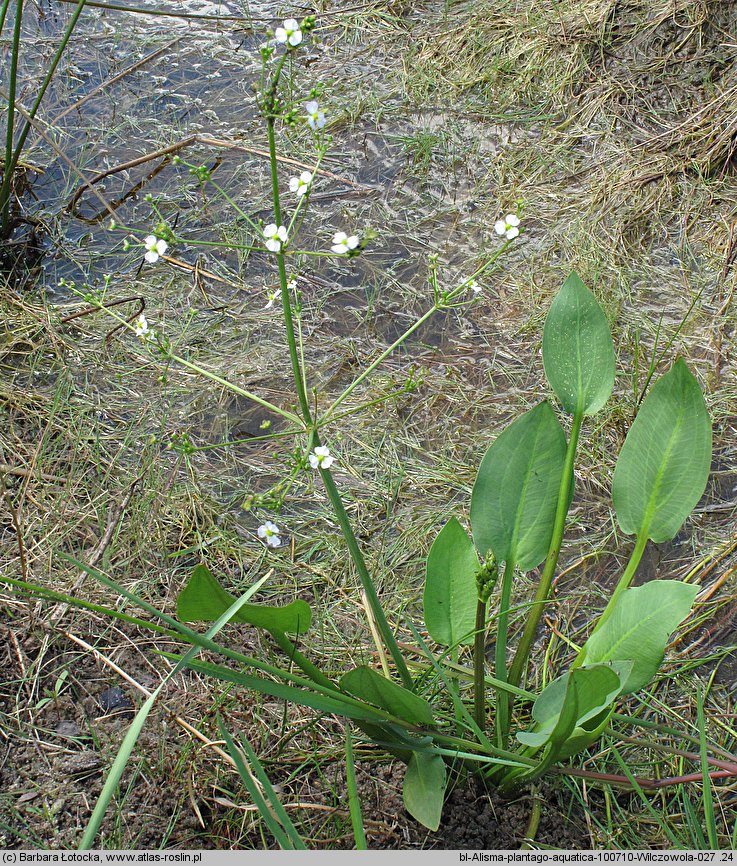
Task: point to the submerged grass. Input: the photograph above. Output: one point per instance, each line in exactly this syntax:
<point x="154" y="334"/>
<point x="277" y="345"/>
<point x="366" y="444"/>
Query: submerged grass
<point x="614" y="125"/>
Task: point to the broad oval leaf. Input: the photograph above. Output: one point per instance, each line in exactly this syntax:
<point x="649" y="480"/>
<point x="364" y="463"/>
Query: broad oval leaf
<point x="584" y="735"/>
<point x="450" y="596"/>
<point x="564" y="708"/>
<point x="424" y="788"/>
<point x="364" y="683"/>
<point x="578" y="353"/>
<point x="516" y="491"/>
<point x="204" y="600"/>
<point x="639" y="628"/>
<point x="664" y="463"/>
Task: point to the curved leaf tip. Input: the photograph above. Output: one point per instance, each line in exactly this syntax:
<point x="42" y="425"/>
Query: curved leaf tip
<point x="578" y="352"/>
<point x="664" y="463"/>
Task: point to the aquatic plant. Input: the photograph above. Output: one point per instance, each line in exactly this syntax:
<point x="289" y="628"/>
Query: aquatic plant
<point x="427" y="707"/>
<point x="518" y="513"/>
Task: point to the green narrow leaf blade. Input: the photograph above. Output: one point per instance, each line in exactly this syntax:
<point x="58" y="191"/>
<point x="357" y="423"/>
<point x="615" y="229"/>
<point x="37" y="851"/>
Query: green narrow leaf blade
<point x="270" y="795"/>
<point x="516" y="491"/>
<point x="354" y="799"/>
<point x="364" y="683"/>
<point x="327" y="703"/>
<point x="203" y="599"/>
<point x="131" y="738"/>
<point x="424" y="788"/>
<point x="639" y="628"/>
<point x="449" y="600"/>
<point x="254" y="790"/>
<point x="664" y="464"/>
<point x="578" y="353"/>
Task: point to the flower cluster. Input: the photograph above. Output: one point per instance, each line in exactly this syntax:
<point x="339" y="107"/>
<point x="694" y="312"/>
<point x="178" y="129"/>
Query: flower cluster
<point x="140" y="327"/>
<point x="321" y="458"/>
<point x="301" y="184"/>
<point x="271" y="296"/>
<point x="315" y="117"/>
<point x="275" y="236"/>
<point x="507" y="226"/>
<point x="155" y="247"/>
<point x="290" y="34"/>
<point x="344" y="244"/>
<point x="269" y="533"/>
<point x="142" y="330"/>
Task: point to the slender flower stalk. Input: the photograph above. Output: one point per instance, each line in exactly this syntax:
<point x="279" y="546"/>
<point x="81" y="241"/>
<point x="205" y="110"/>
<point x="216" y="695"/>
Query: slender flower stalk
<point x="479" y="666"/>
<point x="503" y="702"/>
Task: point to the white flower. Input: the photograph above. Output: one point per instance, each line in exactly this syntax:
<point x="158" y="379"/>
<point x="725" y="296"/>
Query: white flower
<point x="275" y="237"/>
<point x="140" y="326"/>
<point x="292" y="285"/>
<point x="507" y="226"/>
<point x="269" y="532"/>
<point x="315" y="117"/>
<point x="474" y="287"/>
<point x="272" y="296"/>
<point x="320" y="458"/>
<point x="289" y="33"/>
<point x="155" y="247"/>
<point x="301" y="184"/>
<point x="342" y="243"/>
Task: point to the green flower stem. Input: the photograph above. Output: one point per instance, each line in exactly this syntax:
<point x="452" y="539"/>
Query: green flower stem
<point x="462" y="287"/>
<point x="519" y="662"/>
<point x="382" y="357"/>
<point x="503" y="702"/>
<point x="290" y="416"/>
<point x="299" y="382"/>
<point x="479" y="666"/>
<point x="9" y="167"/>
<point x="442" y="302"/>
<point x="302" y="200"/>
<point x="213" y="377"/>
<point x="371" y="403"/>
<point x="366" y="582"/>
<point x="241" y="213"/>
<point x="330" y="487"/>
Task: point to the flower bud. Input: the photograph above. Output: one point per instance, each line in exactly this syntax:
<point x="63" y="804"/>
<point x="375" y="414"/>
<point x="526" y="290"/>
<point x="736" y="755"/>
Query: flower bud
<point x="486" y="577"/>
